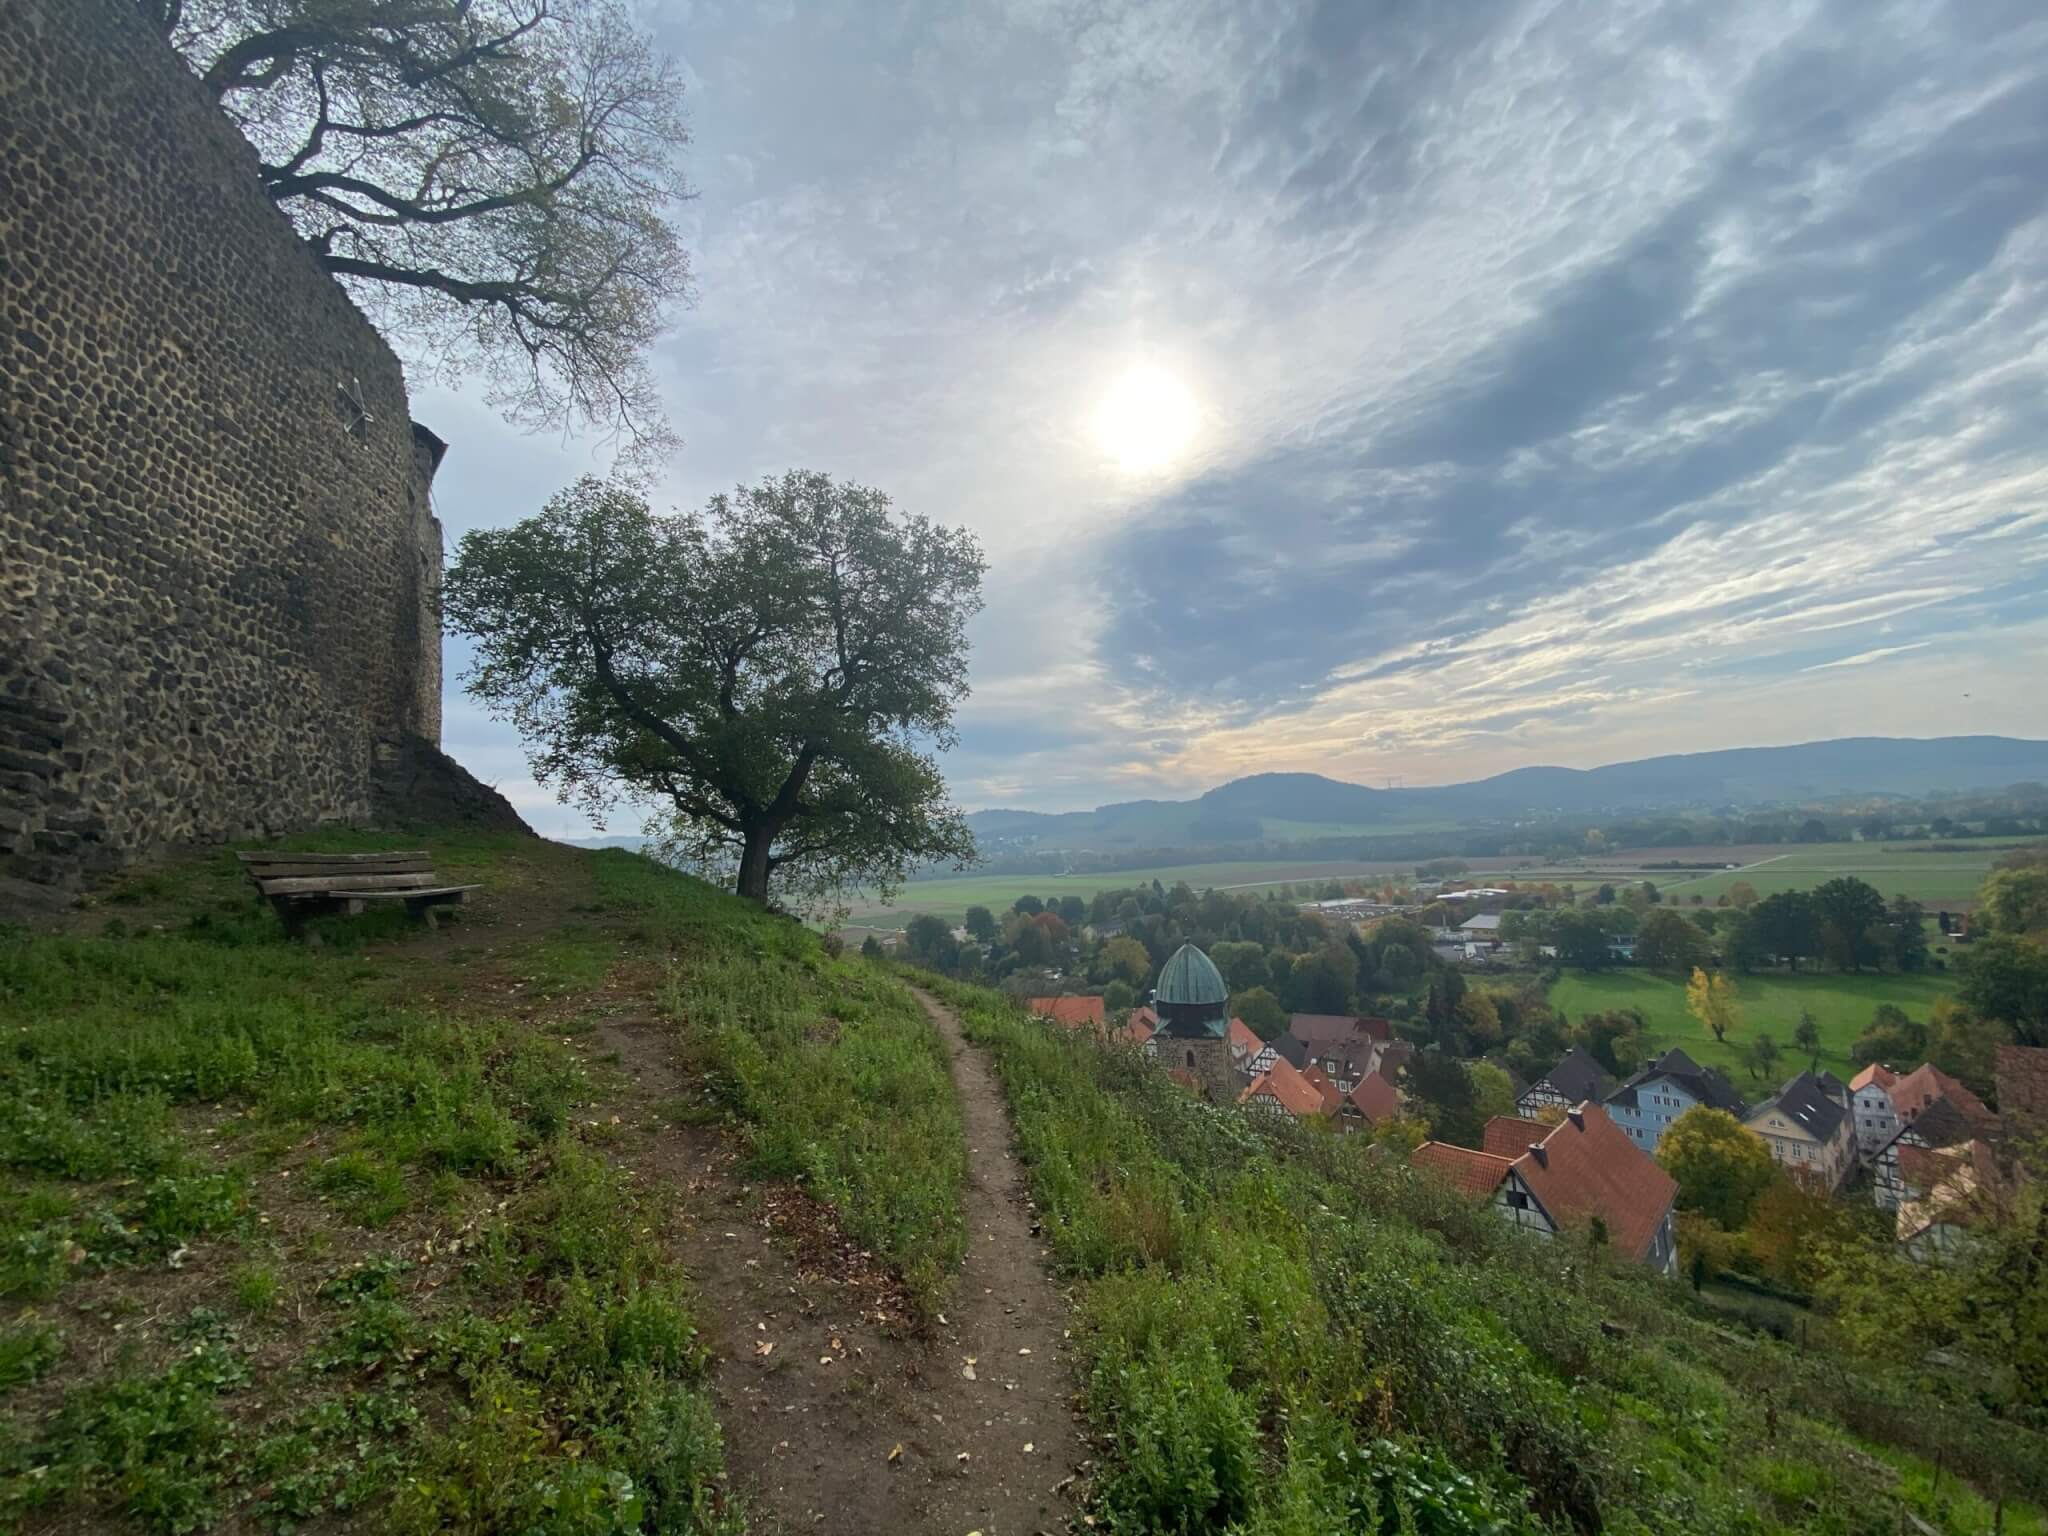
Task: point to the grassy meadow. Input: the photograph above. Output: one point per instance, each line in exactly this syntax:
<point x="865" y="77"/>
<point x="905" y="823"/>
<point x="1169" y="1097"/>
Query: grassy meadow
<point x="1841" y="1005"/>
<point x="354" y="1234"/>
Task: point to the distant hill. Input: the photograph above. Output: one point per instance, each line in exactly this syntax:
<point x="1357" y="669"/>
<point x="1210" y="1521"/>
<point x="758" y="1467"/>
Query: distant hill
<point x="1286" y="806"/>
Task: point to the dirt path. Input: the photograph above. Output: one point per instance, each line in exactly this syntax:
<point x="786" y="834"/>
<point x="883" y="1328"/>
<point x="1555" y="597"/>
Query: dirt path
<point x="840" y="1414"/>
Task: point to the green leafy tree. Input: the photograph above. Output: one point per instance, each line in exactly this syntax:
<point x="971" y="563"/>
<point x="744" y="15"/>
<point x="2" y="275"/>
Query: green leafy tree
<point x="1668" y="942"/>
<point x="1123" y="958"/>
<point x="1892" y="1039"/>
<point x="1806" y="1036"/>
<point x="1906" y="934"/>
<point x="1119" y="997"/>
<point x="1493" y="1092"/>
<point x="496" y="182"/>
<point x="1442" y="1087"/>
<point x="767" y="669"/>
<point x="1322" y="981"/>
<point x="1761" y="1057"/>
<point x="1030" y="906"/>
<point x="929" y="941"/>
<point x="2006" y="977"/>
<point x="981" y="924"/>
<point x="1850" y="911"/>
<point x="871" y="948"/>
<point x="1787" y="926"/>
<point x="1721" y="1168"/>
<point x="1073" y="911"/>
<point x="1965" y="1045"/>
<point x="1582" y="940"/>
<point x="1261" y="1012"/>
<point x="1243" y="964"/>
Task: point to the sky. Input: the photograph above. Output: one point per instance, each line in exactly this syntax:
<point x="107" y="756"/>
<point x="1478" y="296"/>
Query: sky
<point x="1522" y="383"/>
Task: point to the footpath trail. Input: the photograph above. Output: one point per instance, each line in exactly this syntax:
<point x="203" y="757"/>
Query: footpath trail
<point x="840" y="1413"/>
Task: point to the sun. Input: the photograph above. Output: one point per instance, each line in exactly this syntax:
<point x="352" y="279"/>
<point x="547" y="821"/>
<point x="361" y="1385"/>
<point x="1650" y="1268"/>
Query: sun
<point x="1146" y="420"/>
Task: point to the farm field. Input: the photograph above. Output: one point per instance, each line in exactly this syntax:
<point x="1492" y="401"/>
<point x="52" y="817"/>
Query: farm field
<point x="951" y="897"/>
<point x="1841" y="1005"/>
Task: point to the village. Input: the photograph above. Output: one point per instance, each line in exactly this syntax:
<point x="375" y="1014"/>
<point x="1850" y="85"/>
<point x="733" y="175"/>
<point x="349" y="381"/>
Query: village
<point x="1580" y="1150"/>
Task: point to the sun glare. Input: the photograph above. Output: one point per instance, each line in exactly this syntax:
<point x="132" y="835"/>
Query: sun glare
<point x="1146" y="420"/>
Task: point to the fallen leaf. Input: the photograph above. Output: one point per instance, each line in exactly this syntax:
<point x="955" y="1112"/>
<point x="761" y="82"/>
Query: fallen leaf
<point x="1023" y="1351"/>
<point x="967" y="1370"/>
<point x="896" y="1451"/>
<point x="765" y="1348"/>
<point x="963" y="1456"/>
<point x="824" y="1359"/>
<point x="1029" y="1447"/>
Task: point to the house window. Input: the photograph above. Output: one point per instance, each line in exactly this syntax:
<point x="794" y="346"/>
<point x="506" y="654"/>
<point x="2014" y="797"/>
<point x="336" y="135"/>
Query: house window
<point x="1517" y="1200"/>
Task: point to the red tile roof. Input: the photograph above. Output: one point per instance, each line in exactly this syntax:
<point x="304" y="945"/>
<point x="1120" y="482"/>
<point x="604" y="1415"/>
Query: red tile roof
<point x="1144" y="1014"/>
<point x="1923" y="1085"/>
<point x="1314" y="1028"/>
<point x="1588" y="1167"/>
<point x="1287" y="1088"/>
<point x="1471" y="1173"/>
<point x="1509" y="1136"/>
<point x="1136" y="1032"/>
<point x="1376" y="1098"/>
<point x="1072" y="1012"/>
<point x="1243" y="1038"/>
<point x="1876" y="1073"/>
<point x="1320" y="1081"/>
<point x="1582" y="1167"/>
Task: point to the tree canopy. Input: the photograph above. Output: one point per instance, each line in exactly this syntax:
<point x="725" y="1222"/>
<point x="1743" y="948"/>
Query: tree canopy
<point x="765" y="670"/>
<point x="1720" y="1167"/>
<point x="494" y="180"/>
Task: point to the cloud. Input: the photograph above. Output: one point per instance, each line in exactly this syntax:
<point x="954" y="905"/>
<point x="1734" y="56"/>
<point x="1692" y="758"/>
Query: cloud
<point x="1577" y="382"/>
<point x="1865" y="658"/>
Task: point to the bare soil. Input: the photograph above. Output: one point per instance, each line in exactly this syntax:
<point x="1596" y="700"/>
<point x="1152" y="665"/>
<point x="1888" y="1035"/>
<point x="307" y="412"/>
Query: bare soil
<point x="841" y="1412"/>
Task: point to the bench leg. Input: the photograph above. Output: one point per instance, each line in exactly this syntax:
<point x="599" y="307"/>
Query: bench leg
<point x="426" y="911"/>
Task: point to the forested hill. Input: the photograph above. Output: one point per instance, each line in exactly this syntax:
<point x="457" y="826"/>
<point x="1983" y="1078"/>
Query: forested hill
<point x="1280" y="806"/>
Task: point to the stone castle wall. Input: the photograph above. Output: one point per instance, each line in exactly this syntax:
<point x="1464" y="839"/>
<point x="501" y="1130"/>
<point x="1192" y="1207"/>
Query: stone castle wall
<point x="218" y="580"/>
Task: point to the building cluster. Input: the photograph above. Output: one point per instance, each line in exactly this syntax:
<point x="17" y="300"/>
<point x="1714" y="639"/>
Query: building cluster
<point x="1579" y="1152"/>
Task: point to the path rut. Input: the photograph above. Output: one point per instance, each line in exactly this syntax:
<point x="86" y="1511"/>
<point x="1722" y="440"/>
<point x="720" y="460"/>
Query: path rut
<point x="839" y="1414"/>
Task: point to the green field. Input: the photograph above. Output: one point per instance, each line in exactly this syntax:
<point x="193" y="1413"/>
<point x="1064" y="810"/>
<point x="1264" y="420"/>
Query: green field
<point x="1841" y="1005"/>
<point x="950" y="898"/>
<point x="1933" y="878"/>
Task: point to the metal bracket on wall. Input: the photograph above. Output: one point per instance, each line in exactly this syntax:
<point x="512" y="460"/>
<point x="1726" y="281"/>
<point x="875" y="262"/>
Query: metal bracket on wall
<point x="356" y="417"/>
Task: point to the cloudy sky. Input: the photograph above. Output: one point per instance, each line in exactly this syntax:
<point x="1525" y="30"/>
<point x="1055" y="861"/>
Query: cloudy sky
<point x="1525" y="383"/>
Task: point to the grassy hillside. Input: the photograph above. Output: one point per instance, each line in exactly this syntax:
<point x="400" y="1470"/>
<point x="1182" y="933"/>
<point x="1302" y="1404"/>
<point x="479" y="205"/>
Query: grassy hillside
<point x="1288" y="1334"/>
<point x="1841" y="1005"/>
<point x="377" y="1231"/>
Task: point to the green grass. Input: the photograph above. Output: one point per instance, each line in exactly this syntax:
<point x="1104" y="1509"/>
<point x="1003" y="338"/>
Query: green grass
<point x="1932" y="878"/>
<point x="1284" y="1333"/>
<point x="828" y="1062"/>
<point x="951" y="897"/>
<point x="1841" y="1005"/>
<point x="187" y="1090"/>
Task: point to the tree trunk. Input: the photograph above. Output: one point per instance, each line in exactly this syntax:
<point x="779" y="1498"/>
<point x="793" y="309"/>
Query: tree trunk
<point x="753" y="882"/>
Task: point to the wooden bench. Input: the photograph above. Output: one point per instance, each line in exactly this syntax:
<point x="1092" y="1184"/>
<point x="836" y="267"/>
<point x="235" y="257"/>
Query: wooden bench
<point x="302" y="885"/>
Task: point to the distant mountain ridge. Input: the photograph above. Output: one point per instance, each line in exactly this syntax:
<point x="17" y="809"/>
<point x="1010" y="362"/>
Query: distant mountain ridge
<point x="1268" y="805"/>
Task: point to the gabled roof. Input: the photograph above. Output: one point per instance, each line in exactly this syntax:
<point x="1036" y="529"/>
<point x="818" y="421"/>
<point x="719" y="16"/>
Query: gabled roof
<point x="1136" y="1032"/>
<point x="1287" y="1088"/>
<point x="1243" y="1038"/>
<point x="1319" y="1080"/>
<point x="1472" y="1173"/>
<point x="1586" y="1167"/>
<point x="1806" y="1104"/>
<point x="1876" y="1073"/>
<point x="1928" y="1084"/>
<point x="1940" y="1124"/>
<point x="1073" y="1012"/>
<point x="1703" y="1083"/>
<point x="1481" y="922"/>
<point x="1583" y="1167"/>
<point x="1510" y="1136"/>
<point x="1376" y="1098"/>
<point x="1316" y="1028"/>
<point x="1291" y="1050"/>
<point x="1577" y="1076"/>
<point x="1144" y="1014"/>
<point x="2023" y="1088"/>
<point x="1963" y="1185"/>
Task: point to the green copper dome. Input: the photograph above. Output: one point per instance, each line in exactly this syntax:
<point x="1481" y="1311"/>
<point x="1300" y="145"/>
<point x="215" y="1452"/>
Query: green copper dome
<point x="1191" y="977"/>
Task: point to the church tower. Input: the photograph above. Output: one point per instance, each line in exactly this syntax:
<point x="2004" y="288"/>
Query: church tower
<point x="1194" y="1022"/>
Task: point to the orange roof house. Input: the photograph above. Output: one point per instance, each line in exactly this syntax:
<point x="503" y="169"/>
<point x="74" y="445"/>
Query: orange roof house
<point x="1375" y="1098"/>
<point x="1284" y="1090"/>
<point x="1926" y="1084"/>
<point x="1581" y="1171"/>
<point x="1067" y="1012"/>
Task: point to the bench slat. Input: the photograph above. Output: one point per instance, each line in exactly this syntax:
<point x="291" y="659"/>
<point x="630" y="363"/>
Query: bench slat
<point x="334" y="861"/>
<point x="339" y="872"/>
<point x="427" y="893"/>
<point x="353" y="883"/>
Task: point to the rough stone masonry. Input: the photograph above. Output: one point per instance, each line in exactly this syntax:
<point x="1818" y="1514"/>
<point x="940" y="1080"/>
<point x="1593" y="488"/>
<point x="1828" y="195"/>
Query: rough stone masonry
<point x="219" y="570"/>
